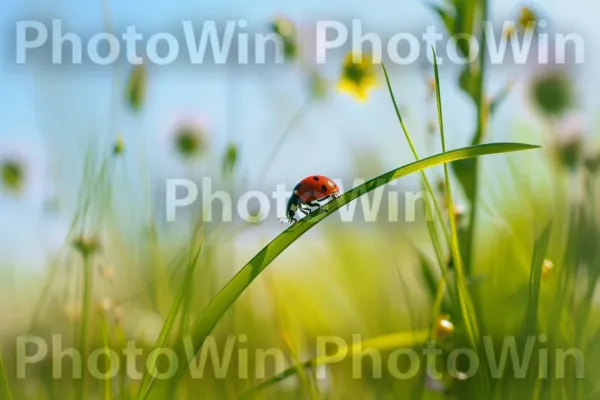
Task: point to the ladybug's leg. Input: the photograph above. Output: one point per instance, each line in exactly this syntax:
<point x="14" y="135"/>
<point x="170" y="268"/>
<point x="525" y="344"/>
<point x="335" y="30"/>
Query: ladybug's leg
<point x="291" y="218"/>
<point x="290" y="213"/>
<point x="305" y="208"/>
<point x="317" y="203"/>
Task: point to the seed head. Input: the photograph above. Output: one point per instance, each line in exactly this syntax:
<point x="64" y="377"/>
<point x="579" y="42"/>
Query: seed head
<point x="547" y="268"/>
<point x="552" y="92"/>
<point x="230" y="158"/>
<point x="135" y="94"/>
<point x="288" y="34"/>
<point x="189" y="140"/>
<point x="119" y="146"/>
<point x="13" y="175"/>
<point x="86" y="245"/>
<point x="444" y="328"/>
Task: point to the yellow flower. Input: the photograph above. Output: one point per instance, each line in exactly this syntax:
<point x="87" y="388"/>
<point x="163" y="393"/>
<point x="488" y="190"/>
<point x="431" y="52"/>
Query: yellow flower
<point x="358" y="77"/>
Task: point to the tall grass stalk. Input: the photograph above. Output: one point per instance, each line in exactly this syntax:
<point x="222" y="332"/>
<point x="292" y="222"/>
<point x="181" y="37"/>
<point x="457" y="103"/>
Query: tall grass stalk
<point x="430" y="225"/>
<point x="482" y="121"/>
<point x="4" y="387"/>
<point x="86" y="297"/>
<point x="281" y="324"/>
<point x="466" y="303"/>
<point x="106" y="342"/>
<point x="165" y="333"/>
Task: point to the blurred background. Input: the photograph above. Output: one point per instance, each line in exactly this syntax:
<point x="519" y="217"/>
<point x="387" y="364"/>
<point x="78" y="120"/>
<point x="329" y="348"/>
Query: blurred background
<point x="86" y="151"/>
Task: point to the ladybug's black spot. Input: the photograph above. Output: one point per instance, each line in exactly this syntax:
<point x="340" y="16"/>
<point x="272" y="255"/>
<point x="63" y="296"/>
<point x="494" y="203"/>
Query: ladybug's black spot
<point x="324" y="188"/>
<point x="316" y="178"/>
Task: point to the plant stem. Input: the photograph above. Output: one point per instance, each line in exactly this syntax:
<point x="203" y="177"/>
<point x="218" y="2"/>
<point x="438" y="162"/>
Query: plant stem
<point x="482" y="119"/>
<point x="4" y="386"/>
<point x="85" y="305"/>
<point x="416" y="155"/>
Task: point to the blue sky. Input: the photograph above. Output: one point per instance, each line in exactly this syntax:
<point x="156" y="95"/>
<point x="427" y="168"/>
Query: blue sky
<point x="50" y="112"/>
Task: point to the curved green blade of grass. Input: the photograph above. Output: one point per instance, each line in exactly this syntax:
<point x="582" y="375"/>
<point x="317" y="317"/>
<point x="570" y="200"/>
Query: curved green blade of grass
<point x="466" y="303"/>
<point x="4" y="388"/>
<point x="213" y="312"/>
<point x="380" y="343"/>
<point x="221" y="303"/>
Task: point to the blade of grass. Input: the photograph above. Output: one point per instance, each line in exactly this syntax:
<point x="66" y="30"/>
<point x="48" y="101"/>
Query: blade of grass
<point x="165" y="332"/>
<point x="221" y="303"/>
<point x="431" y="226"/>
<point x="467" y="308"/>
<point x="427" y="274"/>
<point x="380" y="343"/>
<point x="535" y="278"/>
<point x="438" y="209"/>
<point x="85" y="315"/>
<point x="282" y="326"/>
<point x="481" y="103"/>
<point x="463" y="293"/>
<point x="4" y="387"/>
<point x="530" y="324"/>
<point x="106" y="342"/>
<point x="436" y="311"/>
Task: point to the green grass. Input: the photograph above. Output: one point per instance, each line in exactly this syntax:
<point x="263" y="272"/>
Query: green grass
<point x="85" y="316"/>
<point x="212" y="314"/>
<point x="469" y="315"/>
<point x="4" y="387"/>
<point x="167" y="328"/>
<point x="390" y="285"/>
<point x="381" y="343"/>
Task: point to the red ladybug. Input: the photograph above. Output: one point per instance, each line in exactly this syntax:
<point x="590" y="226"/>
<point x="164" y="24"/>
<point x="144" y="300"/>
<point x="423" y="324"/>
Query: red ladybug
<point x="309" y="193"/>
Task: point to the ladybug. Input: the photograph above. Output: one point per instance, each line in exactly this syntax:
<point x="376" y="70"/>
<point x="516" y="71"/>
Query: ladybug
<point x="311" y="192"/>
